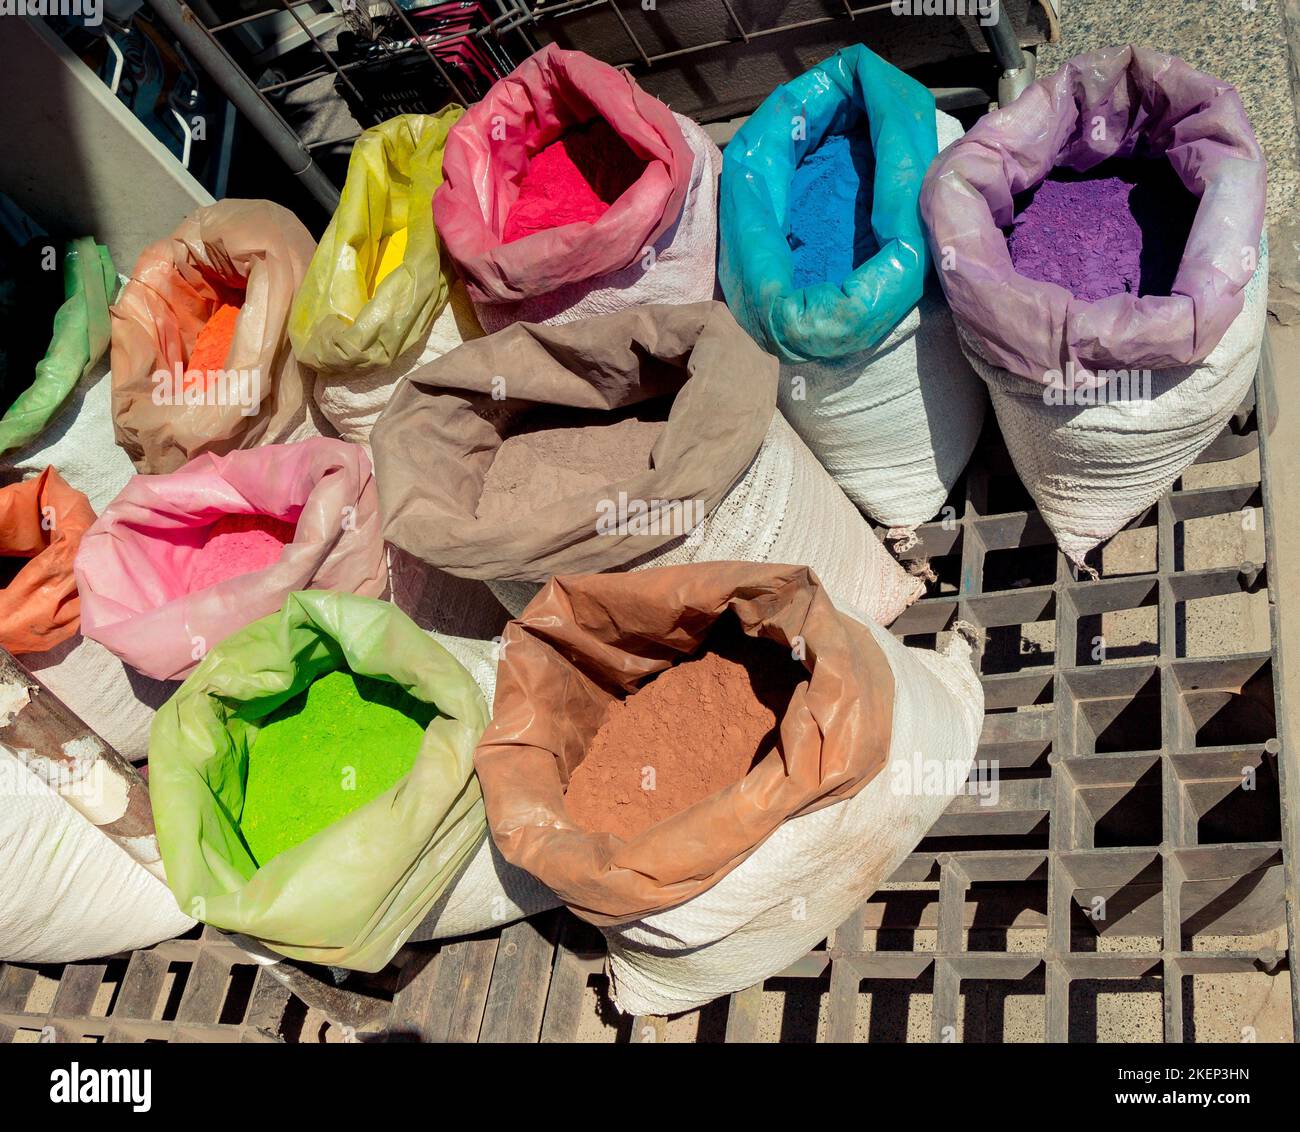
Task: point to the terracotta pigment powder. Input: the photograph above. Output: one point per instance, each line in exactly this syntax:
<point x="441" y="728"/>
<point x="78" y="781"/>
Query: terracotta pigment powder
<point x="537" y="468"/>
<point x="575" y="178"/>
<point x="1117" y="229"/>
<point x="331" y="748"/>
<point x="212" y="344"/>
<point x="238" y="544"/>
<point x="830" y="210"/>
<point x="699" y="726"/>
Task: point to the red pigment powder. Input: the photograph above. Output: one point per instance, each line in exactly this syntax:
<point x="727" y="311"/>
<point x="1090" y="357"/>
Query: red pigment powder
<point x="692" y="731"/>
<point x="575" y="178"/>
<point x="239" y="544"/>
<point x="534" y="469"/>
<point x="1118" y="229"/>
<point x="212" y="344"/>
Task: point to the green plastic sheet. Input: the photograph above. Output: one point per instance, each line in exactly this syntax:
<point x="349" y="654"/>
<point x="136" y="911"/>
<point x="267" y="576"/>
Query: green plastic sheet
<point x="79" y="338"/>
<point x="340" y="323"/>
<point x="350" y="895"/>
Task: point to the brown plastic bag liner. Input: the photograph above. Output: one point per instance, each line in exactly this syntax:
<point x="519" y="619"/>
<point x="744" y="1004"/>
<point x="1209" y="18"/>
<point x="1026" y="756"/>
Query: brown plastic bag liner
<point x="437" y="438"/>
<point x="41" y="520"/>
<point x="588" y="639"/>
<point x="253" y="246"/>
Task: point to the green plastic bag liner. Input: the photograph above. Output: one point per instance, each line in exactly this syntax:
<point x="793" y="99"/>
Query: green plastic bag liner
<point x="351" y="894"/>
<point x="79" y="338"/>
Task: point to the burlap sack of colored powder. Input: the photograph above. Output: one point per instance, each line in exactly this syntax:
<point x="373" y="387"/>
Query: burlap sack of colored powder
<point x="250" y="254"/>
<point x="724" y="451"/>
<point x="700" y="904"/>
<point x="136" y="563"/>
<point x="42" y="520"/>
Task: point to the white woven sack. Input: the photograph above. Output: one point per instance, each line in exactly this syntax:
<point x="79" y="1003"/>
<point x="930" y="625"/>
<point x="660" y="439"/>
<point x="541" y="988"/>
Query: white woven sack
<point x="1092" y="468"/>
<point x="67" y="890"/>
<point x="117" y="703"/>
<point x="79" y="443"/>
<point x="683" y="268"/>
<point x="352" y="404"/>
<point x="786" y="509"/>
<point x="815" y="870"/>
<point x="491" y="892"/>
<point x="894" y="425"/>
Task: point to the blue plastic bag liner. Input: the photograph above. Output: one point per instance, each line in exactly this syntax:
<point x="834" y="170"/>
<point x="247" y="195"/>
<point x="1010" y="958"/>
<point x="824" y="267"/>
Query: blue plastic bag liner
<point x="851" y="91"/>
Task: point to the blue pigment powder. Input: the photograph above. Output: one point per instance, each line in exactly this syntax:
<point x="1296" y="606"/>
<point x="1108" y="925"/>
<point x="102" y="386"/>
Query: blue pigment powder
<point x="830" y="210"/>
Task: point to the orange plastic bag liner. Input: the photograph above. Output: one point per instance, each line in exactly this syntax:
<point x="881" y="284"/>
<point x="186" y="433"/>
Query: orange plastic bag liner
<point x="41" y="520"/>
<point x="587" y="639"/>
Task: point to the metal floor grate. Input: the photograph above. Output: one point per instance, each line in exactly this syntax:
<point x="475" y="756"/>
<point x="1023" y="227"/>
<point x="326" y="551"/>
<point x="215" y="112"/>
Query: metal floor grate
<point x="1121" y="888"/>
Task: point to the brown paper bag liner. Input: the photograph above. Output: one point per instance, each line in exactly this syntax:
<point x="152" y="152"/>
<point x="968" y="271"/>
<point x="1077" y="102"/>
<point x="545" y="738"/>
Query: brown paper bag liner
<point x="438" y="436"/>
<point x="253" y="245"/>
<point x="42" y="520"/>
<point x="586" y="640"/>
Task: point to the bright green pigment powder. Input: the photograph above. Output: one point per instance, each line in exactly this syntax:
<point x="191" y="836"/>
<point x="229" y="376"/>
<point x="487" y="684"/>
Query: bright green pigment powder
<point x="333" y="747"/>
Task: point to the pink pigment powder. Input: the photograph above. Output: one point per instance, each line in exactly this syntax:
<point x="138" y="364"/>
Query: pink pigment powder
<point x="575" y="178"/>
<point x="238" y="544"/>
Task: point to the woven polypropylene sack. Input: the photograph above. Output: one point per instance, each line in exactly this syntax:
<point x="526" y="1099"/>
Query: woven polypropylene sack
<point x="118" y="703"/>
<point x="817" y="869"/>
<point x="489" y="151"/>
<point x="1092" y="467"/>
<point x="67" y="890"/>
<point x="250" y="248"/>
<point x="894" y="424"/>
<point x="353" y="406"/>
<point x="786" y="508"/>
<point x="679" y="267"/>
<point x="491" y="892"/>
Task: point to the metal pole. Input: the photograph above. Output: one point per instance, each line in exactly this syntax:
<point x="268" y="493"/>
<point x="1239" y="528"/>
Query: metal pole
<point x="1016" y="66"/>
<point x="248" y="100"/>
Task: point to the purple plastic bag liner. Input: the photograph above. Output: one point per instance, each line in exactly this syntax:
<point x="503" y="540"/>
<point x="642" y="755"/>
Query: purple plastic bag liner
<point x="1117" y="102"/>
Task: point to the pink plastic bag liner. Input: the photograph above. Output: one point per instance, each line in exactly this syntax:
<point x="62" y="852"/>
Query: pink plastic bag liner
<point x="1118" y="102"/>
<point x="136" y="559"/>
<point x="489" y="149"/>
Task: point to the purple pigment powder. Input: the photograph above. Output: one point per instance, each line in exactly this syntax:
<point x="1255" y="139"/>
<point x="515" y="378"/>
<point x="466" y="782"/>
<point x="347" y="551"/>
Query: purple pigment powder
<point x="1118" y="229"/>
<point x="830" y="210"/>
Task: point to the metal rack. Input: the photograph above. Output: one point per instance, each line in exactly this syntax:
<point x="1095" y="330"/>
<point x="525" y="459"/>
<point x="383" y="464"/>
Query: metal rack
<point x="1120" y="792"/>
<point x="668" y="49"/>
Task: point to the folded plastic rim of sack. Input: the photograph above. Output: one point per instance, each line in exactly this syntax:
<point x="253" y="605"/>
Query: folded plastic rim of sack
<point x="588" y="639"/>
<point x="489" y="149"/>
<point x="852" y="89"/>
<point x="134" y="562"/>
<point x="437" y="438"/>
<point x="42" y="520"/>
<point x="78" y="340"/>
<point x="336" y="324"/>
<point x="1118" y="102"/>
<point x="352" y="893"/>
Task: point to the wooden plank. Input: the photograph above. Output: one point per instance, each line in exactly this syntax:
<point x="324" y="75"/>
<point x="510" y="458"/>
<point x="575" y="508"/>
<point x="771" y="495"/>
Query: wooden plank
<point x="411" y="1016"/>
<point x="464" y="973"/>
<point x="568" y="990"/>
<point x="205" y="989"/>
<point x="141" y="985"/>
<point x="520" y="980"/>
<point x="743" y="1013"/>
<point x="15" y="985"/>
